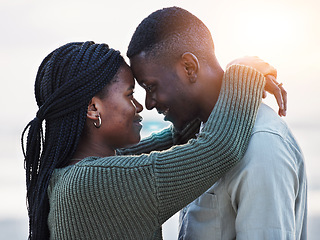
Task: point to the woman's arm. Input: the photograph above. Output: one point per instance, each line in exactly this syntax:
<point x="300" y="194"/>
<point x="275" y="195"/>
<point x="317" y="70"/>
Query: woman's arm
<point x="163" y="140"/>
<point x="184" y="172"/>
<point x="169" y="137"/>
<point x="155" y="186"/>
<point x="272" y="86"/>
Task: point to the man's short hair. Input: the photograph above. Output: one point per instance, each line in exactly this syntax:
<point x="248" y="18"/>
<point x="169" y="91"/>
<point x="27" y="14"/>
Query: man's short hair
<point x="167" y="33"/>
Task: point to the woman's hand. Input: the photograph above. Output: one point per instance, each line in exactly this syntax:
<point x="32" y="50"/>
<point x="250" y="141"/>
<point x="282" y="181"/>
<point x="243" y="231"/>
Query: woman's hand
<point x="270" y="73"/>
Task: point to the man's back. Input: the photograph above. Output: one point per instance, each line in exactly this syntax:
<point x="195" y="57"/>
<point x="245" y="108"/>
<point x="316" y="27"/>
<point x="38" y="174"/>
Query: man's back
<point x="263" y="197"/>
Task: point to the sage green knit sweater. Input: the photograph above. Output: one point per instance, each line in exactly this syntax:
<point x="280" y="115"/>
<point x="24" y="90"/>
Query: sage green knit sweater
<point x="130" y="197"/>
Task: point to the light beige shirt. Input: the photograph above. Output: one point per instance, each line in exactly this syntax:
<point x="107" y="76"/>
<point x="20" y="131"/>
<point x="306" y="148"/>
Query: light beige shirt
<point x="262" y="197"/>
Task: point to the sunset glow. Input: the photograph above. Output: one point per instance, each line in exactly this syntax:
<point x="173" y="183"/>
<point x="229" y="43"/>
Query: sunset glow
<point x="284" y="33"/>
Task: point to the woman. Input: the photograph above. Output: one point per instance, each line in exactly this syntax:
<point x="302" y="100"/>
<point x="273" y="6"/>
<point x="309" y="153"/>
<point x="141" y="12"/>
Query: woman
<point x="77" y="188"/>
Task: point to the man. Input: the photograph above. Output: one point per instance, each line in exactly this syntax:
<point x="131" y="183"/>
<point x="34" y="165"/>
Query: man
<point x="264" y="197"/>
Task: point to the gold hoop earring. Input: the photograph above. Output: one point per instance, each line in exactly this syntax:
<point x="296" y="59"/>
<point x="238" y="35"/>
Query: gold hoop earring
<point x="98" y="125"/>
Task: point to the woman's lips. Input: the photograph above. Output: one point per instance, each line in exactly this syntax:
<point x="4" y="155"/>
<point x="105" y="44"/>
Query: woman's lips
<point x="137" y="120"/>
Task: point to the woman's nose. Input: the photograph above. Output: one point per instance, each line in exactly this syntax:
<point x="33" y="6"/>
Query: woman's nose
<point x="139" y="107"/>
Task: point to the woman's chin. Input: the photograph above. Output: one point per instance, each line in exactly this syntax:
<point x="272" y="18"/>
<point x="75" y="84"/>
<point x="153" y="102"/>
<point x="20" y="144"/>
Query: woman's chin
<point x="138" y="140"/>
<point x="132" y="142"/>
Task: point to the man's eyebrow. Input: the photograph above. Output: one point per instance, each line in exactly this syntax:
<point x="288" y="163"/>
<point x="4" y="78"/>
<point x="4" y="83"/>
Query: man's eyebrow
<point x="131" y="87"/>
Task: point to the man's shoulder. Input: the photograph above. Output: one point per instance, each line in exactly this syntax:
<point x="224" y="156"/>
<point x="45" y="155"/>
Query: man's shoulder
<point x="272" y="144"/>
<point x="269" y="122"/>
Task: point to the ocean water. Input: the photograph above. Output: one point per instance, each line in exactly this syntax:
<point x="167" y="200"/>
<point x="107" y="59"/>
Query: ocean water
<point x="289" y="40"/>
<point x="13" y="214"/>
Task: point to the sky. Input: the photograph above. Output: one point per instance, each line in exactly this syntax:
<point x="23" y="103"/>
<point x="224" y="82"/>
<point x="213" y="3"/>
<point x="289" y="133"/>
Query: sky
<point x="284" y="33"/>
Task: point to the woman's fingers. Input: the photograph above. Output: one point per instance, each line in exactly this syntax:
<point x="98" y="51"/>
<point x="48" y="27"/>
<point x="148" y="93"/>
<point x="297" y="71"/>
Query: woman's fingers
<point x="257" y="63"/>
<point x="273" y="87"/>
<point x="264" y="94"/>
<point x="284" y="97"/>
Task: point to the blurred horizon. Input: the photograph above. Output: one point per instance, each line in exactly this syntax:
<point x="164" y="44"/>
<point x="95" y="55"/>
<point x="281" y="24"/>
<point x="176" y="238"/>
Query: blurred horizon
<point x="282" y="32"/>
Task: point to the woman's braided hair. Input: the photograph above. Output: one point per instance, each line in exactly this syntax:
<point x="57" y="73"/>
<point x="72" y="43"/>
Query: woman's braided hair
<point x="66" y="81"/>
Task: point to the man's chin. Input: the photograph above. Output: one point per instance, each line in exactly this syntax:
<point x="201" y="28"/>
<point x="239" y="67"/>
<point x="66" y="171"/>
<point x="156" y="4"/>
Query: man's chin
<point x="179" y="126"/>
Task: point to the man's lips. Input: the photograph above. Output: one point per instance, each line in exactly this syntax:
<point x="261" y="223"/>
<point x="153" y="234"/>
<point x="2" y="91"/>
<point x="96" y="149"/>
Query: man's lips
<point x="164" y="112"/>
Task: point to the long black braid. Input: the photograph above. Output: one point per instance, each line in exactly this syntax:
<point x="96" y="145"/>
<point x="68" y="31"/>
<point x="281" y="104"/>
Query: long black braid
<point x="66" y="81"/>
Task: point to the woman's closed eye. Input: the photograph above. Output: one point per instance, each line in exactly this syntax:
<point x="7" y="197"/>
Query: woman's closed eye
<point x="131" y="94"/>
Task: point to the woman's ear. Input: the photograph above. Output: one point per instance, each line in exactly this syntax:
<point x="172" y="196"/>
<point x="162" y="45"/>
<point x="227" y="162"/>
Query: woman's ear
<point x="191" y="66"/>
<point x="93" y="112"/>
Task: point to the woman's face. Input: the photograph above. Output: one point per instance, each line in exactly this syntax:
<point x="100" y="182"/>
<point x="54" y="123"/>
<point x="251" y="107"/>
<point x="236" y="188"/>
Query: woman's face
<point x="118" y="109"/>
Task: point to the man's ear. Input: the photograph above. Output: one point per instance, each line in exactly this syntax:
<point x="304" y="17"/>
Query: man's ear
<point x="93" y="112"/>
<point x="191" y="66"/>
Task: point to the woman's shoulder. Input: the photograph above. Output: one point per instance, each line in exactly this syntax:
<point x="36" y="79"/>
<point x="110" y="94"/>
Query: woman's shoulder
<point x="127" y="162"/>
<point x="56" y="177"/>
<point x="59" y="172"/>
<point x="98" y="170"/>
<point x="92" y="176"/>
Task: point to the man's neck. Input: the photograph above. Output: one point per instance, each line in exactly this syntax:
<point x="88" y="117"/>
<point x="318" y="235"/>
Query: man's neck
<point x="210" y="91"/>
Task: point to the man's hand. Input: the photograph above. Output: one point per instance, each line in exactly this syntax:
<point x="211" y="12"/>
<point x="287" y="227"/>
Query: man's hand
<point x="270" y="73"/>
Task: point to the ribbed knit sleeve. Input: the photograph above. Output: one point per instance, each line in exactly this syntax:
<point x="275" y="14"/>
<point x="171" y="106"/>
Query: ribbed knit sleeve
<point x="130" y="197"/>
<point x="155" y="142"/>
<point x="163" y="140"/>
<point x="184" y="172"/>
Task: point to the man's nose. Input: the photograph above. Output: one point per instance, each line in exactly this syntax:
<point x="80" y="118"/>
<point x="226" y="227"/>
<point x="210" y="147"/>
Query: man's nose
<point x="150" y="101"/>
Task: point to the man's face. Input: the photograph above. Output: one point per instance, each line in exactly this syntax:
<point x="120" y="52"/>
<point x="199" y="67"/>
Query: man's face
<point x="167" y="90"/>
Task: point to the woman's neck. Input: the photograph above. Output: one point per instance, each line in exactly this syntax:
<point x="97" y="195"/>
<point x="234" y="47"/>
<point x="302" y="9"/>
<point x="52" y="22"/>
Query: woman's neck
<point x="88" y="147"/>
